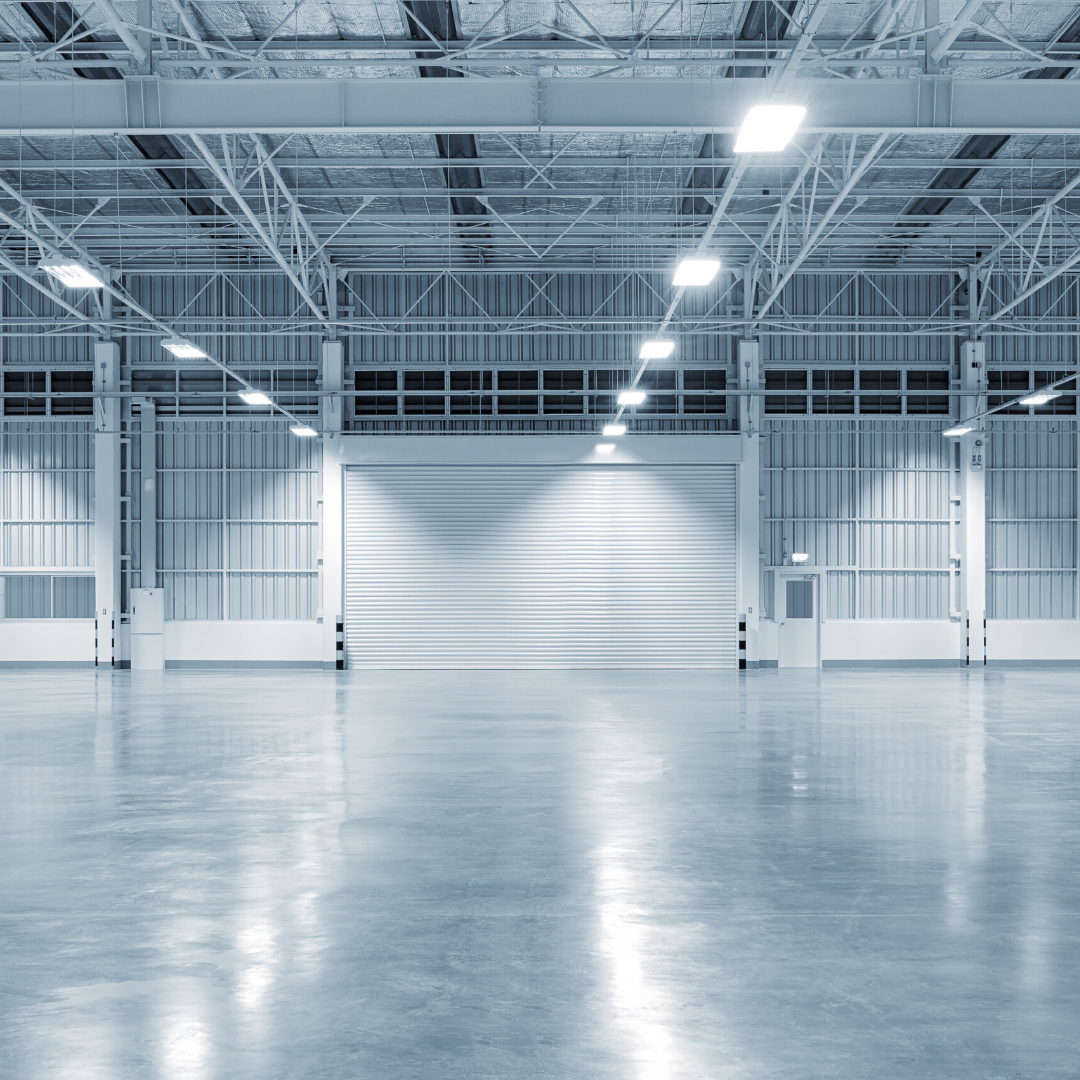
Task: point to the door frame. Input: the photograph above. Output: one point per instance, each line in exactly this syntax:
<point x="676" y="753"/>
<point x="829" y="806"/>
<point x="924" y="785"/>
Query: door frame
<point x="782" y="575"/>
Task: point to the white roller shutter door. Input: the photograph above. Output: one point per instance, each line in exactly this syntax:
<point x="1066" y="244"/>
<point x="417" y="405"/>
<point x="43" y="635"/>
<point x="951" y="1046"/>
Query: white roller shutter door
<point x="476" y="566"/>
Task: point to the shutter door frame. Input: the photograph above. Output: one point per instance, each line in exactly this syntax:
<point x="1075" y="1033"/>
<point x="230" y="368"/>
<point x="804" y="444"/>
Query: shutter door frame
<point x="540" y="566"/>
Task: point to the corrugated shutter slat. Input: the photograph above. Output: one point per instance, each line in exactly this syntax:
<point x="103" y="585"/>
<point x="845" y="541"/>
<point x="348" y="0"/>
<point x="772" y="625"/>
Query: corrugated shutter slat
<point x="540" y="566"/>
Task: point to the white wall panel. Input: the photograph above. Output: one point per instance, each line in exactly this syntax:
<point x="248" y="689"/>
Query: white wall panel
<point x="46" y="496"/>
<point x="1031" y="526"/>
<point x="237" y="521"/>
<point x="868" y="501"/>
<point x="552" y="566"/>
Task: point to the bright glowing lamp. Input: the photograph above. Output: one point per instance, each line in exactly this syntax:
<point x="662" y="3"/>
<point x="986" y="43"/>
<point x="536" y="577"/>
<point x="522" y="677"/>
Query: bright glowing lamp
<point x="954" y="432"/>
<point x="614" y="430"/>
<point x="768" y="128"/>
<point x="71" y="272"/>
<point x="303" y="431"/>
<point x="695" y="271"/>
<point x="631" y="397"/>
<point x="657" y="349"/>
<point x="253" y="397"/>
<point x="184" y="349"/>
<point x="800" y="558"/>
<point x="1040" y="397"/>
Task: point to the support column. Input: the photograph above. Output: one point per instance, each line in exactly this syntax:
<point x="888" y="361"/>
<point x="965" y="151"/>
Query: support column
<point x="332" y="409"/>
<point x="931" y="11"/>
<point x="144" y="12"/>
<point x="107" y="502"/>
<point x="748" y="591"/>
<point x="148" y="476"/>
<point x="973" y="461"/>
<point x="333" y="531"/>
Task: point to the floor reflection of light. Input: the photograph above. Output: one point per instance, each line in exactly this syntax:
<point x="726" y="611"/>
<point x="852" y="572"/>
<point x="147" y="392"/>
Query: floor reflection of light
<point x="253" y="985"/>
<point x="968" y="844"/>
<point x="255" y="981"/>
<point x="186" y="1050"/>
<point x="637" y="1005"/>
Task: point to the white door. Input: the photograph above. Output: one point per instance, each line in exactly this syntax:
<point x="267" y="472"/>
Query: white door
<point x="475" y="566"/>
<point x="799" y="624"/>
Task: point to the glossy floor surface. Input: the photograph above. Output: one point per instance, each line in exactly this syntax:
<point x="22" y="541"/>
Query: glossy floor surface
<point x="575" y="876"/>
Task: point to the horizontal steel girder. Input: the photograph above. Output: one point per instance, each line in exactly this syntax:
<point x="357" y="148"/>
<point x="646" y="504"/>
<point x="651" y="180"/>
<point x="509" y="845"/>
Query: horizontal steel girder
<point x="565" y="163"/>
<point x="147" y="104"/>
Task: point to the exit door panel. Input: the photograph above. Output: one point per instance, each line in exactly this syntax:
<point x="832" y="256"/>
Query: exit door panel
<point x="799" y="623"/>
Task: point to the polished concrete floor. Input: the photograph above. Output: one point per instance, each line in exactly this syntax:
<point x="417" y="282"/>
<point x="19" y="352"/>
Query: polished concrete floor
<point x="575" y="876"/>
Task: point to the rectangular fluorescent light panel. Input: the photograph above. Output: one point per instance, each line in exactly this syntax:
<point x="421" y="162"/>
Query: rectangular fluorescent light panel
<point x="631" y="397"/>
<point x="768" y="128"/>
<point x="612" y="430"/>
<point x="303" y="431"/>
<point x="253" y="397"/>
<point x="800" y="558"/>
<point x="695" y="271"/>
<point x="181" y="347"/>
<point x="657" y="349"/>
<point x="953" y="432"/>
<point x="72" y="273"/>
<point x="1040" y="397"/>
<point x="605" y="447"/>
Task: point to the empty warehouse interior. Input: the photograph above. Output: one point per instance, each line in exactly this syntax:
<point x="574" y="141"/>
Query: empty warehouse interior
<point x="539" y="539"/>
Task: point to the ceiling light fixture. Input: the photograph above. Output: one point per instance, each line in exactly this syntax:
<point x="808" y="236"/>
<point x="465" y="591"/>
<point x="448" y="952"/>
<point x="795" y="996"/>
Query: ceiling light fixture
<point x="800" y="558"/>
<point x="253" y="397"/>
<point x="954" y="432"/>
<point x="657" y="349"/>
<point x="768" y="128"/>
<point x="1040" y="397"/>
<point x="303" y="431"/>
<point x="613" y="430"/>
<point x="605" y="447"/>
<point x="181" y="347"/>
<point x="695" y="271"/>
<point x="71" y="272"/>
<point x="631" y="397"/>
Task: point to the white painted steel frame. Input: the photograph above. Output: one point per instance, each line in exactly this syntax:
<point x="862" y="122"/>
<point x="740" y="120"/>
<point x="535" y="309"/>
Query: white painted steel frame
<point x="150" y="105"/>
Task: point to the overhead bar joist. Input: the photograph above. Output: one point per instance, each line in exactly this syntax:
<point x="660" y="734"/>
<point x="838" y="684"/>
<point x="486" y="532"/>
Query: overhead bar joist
<point x="151" y="105"/>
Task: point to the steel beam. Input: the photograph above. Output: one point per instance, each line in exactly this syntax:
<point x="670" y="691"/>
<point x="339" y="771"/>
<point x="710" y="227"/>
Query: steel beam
<point x="148" y="105"/>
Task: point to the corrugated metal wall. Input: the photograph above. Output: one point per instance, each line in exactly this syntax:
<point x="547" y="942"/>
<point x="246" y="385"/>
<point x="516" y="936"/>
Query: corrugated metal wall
<point x="1031" y="523"/>
<point x="497" y="319"/>
<point x="250" y="308"/>
<point x="866" y="497"/>
<point x="238" y="529"/>
<point x="48" y="495"/>
<point x="868" y="501"/>
<point x="46" y="520"/>
<point x="830" y="308"/>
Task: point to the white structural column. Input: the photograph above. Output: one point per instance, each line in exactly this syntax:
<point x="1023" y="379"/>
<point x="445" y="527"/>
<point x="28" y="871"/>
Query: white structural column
<point x="749" y="505"/>
<point x="333" y="529"/>
<point x="331" y="411"/>
<point x="973" y="462"/>
<point x="107" y="501"/>
<point x="148" y="477"/>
